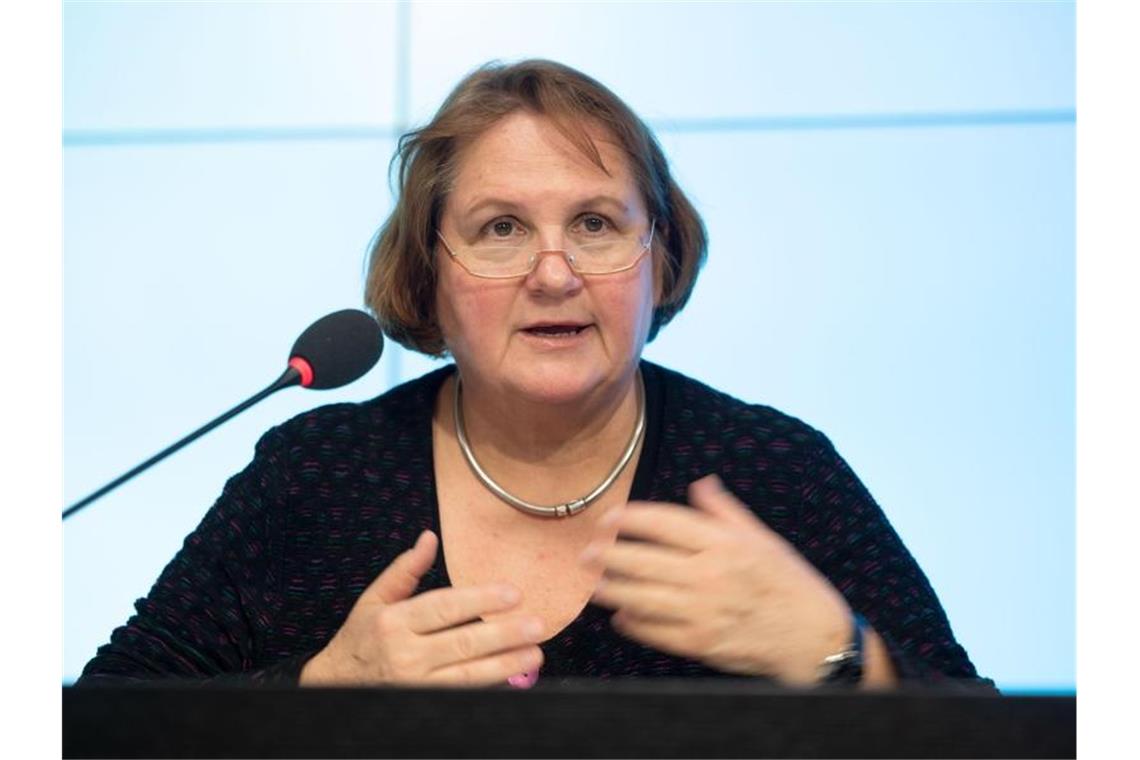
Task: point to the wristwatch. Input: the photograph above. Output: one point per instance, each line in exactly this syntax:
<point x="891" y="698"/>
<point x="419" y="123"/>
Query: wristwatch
<point x="845" y="667"/>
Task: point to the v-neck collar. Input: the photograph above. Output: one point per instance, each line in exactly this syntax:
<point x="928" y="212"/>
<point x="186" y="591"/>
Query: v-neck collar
<point x="641" y="489"/>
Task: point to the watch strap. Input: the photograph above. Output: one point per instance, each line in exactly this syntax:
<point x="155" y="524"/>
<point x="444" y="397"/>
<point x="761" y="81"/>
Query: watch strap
<point x="845" y="667"/>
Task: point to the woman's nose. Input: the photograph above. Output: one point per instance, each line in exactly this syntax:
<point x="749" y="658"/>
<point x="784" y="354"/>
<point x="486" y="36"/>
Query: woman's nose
<point x="554" y="273"/>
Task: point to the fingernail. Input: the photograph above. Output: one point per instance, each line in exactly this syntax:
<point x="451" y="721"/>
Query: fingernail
<point x="509" y="594"/>
<point x="609" y="518"/>
<point x="533" y="628"/>
<point x="523" y="680"/>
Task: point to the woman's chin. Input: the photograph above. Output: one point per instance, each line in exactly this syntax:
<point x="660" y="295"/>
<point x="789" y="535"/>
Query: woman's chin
<point x="553" y="391"/>
<point x="554" y="385"/>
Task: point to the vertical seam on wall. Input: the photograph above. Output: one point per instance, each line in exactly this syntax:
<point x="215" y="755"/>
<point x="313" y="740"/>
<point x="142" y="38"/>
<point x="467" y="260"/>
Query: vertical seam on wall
<point x="401" y="116"/>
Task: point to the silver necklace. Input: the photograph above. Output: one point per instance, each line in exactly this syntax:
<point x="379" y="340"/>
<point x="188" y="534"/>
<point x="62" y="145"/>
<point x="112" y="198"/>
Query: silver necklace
<point x="558" y="510"/>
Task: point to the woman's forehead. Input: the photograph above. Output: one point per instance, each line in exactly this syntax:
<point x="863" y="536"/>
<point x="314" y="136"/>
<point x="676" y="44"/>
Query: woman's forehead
<point x="525" y="156"/>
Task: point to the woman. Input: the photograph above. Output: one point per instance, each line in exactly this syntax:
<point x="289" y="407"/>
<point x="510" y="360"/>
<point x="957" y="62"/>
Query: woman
<point x="599" y="515"/>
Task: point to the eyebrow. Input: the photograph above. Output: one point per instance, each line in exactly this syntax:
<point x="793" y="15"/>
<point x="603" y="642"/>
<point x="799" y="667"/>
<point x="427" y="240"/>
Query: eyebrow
<point x="507" y="205"/>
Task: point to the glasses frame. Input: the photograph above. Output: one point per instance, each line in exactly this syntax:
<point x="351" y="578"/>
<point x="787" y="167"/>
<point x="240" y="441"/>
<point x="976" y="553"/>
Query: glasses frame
<point x="646" y="246"/>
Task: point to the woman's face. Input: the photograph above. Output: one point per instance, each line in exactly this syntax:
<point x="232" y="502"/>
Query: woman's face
<point x="553" y="336"/>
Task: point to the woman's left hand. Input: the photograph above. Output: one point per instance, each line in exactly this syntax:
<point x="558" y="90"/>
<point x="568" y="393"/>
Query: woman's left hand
<point x="716" y="584"/>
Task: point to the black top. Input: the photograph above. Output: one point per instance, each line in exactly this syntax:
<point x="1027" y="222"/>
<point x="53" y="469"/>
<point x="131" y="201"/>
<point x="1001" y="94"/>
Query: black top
<point x="335" y="494"/>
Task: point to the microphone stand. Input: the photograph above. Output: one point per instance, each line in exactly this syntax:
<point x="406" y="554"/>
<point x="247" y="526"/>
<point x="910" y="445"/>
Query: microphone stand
<point x="289" y="377"/>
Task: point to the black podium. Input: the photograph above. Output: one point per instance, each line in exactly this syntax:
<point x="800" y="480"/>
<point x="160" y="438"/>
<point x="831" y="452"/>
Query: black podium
<point x="695" y="719"/>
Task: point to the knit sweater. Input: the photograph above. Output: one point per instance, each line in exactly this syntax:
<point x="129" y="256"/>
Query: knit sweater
<point x="335" y="494"/>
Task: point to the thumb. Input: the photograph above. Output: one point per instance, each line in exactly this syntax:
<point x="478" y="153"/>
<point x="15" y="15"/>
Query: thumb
<point x="399" y="580"/>
<point x="710" y="496"/>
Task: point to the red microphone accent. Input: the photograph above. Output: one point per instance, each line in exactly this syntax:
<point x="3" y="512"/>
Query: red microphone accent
<point x="303" y="367"/>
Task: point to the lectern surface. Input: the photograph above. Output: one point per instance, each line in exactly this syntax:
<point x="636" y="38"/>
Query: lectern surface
<point x="575" y="719"/>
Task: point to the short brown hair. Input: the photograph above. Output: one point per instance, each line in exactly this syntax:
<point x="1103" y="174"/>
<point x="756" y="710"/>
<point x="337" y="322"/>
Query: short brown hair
<point x="401" y="282"/>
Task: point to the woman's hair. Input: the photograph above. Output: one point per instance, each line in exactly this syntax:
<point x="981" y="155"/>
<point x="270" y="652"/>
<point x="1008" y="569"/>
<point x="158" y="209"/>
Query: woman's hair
<point x="401" y="283"/>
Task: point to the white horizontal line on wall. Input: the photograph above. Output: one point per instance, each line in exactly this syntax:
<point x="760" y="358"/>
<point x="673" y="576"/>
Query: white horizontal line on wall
<point x="172" y="136"/>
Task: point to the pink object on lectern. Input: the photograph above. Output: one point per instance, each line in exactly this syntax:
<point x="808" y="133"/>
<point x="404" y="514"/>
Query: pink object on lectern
<point x="523" y="680"/>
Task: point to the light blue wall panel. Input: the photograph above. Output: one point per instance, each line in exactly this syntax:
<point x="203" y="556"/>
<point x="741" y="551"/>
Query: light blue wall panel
<point x="705" y="60"/>
<point x="190" y="65"/>
<point x="910" y="293"/>
<point x="188" y="273"/>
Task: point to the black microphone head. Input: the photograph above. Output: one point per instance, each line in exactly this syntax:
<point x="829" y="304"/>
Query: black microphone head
<point x="337" y="349"/>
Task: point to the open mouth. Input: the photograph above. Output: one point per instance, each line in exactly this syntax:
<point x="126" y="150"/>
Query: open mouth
<point x="555" y="331"/>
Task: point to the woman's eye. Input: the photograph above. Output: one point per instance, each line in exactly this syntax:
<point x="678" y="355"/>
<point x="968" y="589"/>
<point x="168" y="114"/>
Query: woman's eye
<point x="593" y="224"/>
<point x="503" y="228"/>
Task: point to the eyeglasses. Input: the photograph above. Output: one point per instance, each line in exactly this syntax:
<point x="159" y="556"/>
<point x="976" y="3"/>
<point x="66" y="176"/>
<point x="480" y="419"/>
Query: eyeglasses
<point x="603" y="252"/>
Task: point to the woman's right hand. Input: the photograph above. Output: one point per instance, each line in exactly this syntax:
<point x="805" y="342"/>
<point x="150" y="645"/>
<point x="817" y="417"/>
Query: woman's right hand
<point x="437" y="638"/>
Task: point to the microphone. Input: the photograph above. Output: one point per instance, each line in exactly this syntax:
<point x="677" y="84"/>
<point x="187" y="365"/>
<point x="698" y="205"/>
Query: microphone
<point x="333" y="351"/>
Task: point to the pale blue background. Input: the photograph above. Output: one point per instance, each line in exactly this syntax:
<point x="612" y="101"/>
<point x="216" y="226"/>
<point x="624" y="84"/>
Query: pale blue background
<point x="889" y="190"/>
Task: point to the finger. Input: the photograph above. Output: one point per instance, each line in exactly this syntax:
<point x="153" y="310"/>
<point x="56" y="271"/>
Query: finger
<point x="709" y="495"/>
<point x="399" y="580"/>
<point x="645" y="600"/>
<point x="481" y="639"/>
<point x="445" y="608"/>
<point x="640" y="561"/>
<point x="667" y="524"/>
<point x="489" y="671"/>
<point x="671" y="637"/>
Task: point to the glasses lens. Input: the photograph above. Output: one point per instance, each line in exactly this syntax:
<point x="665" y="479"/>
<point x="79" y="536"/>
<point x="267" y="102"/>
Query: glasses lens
<point x="498" y="261"/>
<point x="606" y="256"/>
<point x="591" y="257"/>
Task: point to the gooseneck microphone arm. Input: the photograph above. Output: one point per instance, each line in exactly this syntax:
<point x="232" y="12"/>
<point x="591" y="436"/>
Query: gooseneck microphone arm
<point x="289" y="377"/>
<point x="336" y="350"/>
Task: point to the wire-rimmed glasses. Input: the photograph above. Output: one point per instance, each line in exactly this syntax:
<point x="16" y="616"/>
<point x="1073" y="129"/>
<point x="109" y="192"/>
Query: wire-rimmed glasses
<point x="605" y="254"/>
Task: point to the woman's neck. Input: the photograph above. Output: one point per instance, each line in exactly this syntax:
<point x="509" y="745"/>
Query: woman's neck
<point x="511" y="437"/>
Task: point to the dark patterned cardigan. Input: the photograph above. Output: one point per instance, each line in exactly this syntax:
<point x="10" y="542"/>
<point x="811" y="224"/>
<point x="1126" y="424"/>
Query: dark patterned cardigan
<point x="333" y="495"/>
